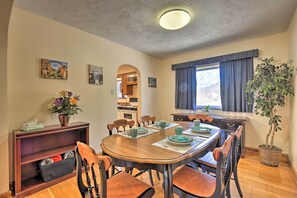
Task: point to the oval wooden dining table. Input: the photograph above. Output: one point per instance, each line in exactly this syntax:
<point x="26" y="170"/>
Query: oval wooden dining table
<point x="141" y="154"/>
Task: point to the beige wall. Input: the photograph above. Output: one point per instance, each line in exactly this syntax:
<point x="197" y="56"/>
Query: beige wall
<point x="32" y="37"/>
<point x="274" y="45"/>
<point x="292" y="34"/>
<point x="5" y="10"/>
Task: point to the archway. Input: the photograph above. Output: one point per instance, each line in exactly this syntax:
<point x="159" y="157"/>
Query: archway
<point x="128" y="93"/>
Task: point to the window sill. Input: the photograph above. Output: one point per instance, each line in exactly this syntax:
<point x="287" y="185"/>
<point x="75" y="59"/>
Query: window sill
<point x="210" y="108"/>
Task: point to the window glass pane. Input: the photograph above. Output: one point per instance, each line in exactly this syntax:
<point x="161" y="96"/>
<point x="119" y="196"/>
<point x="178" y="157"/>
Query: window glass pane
<point x="208" y="87"/>
<point x="119" y="92"/>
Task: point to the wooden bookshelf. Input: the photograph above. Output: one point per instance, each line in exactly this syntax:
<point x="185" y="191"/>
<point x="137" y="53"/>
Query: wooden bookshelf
<point x="30" y="147"/>
<point x="44" y="154"/>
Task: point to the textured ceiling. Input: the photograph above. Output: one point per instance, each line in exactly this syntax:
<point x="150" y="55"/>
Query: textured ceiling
<point x="134" y="23"/>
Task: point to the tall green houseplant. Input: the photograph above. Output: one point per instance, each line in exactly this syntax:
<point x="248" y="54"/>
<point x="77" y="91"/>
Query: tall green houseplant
<point x="268" y="88"/>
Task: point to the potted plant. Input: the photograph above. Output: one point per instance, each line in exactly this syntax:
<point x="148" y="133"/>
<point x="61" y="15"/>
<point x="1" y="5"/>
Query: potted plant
<point x="207" y="109"/>
<point x="268" y="88"/>
<point x="65" y="105"/>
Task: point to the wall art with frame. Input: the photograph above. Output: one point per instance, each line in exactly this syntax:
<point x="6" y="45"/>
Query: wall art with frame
<point x="54" y="69"/>
<point x="152" y="82"/>
<point x="95" y="75"/>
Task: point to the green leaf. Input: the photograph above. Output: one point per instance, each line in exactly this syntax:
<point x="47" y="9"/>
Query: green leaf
<point x="269" y="87"/>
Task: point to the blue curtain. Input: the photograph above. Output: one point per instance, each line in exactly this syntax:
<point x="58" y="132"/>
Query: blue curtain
<point x="234" y="76"/>
<point x="185" y="88"/>
<point x="218" y="59"/>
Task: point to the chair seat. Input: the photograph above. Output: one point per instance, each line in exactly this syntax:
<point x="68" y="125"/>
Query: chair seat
<point x="208" y="160"/>
<point x="125" y="185"/>
<point x="196" y="182"/>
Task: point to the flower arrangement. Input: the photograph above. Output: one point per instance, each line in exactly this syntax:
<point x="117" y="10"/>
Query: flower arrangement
<point x="65" y="104"/>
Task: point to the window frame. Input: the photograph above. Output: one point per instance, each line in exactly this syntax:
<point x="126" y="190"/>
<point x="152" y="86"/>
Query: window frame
<point x="203" y="68"/>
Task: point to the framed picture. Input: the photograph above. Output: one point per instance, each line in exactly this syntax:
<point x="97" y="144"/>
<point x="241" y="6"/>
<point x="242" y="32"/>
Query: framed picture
<point x="152" y="82"/>
<point x="54" y="69"/>
<point x="95" y="75"/>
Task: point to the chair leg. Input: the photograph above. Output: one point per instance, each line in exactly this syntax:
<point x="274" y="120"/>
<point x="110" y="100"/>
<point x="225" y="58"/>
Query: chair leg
<point x="112" y="170"/>
<point x="158" y="175"/>
<point x="228" y="194"/>
<point x="151" y="177"/>
<point x="131" y="171"/>
<point x="237" y="182"/>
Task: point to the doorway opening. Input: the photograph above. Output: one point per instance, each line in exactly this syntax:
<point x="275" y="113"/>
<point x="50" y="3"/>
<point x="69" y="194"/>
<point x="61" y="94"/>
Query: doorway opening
<point x="128" y="93"/>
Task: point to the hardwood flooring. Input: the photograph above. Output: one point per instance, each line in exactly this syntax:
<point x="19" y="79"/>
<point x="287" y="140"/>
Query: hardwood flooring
<point x="256" y="180"/>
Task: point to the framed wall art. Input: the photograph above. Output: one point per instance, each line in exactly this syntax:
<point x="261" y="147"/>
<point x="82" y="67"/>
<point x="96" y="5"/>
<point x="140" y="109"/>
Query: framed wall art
<point x="54" y="69"/>
<point x="152" y="82"/>
<point x="95" y="75"/>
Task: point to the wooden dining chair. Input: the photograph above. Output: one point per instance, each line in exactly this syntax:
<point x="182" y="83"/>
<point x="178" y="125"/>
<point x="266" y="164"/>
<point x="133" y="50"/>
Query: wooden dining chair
<point x="120" y="125"/>
<point x="146" y="120"/>
<point x="189" y="182"/>
<point x="202" y="117"/>
<point x="208" y="164"/>
<point x="97" y="184"/>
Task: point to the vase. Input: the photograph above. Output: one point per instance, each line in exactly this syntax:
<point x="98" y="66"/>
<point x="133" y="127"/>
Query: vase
<point x="64" y="119"/>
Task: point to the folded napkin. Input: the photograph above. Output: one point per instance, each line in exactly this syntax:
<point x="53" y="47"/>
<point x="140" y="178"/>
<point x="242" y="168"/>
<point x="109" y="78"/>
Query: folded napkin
<point x="32" y="125"/>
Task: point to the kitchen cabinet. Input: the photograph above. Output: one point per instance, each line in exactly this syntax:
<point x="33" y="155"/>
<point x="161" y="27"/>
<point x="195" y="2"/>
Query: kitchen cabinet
<point x="131" y="78"/>
<point x="31" y="147"/>
<point x="128" y="81"/>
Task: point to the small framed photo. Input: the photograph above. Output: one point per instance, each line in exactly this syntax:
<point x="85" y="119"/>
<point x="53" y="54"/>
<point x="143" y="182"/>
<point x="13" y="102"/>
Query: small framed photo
<point x="54" y="69"/>
<point x="95" y="75"/>
<point x="152" y="82"/>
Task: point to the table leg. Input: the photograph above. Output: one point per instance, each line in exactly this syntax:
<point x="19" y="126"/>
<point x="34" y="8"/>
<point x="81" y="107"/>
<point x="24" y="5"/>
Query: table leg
<point x="168" y="182"/>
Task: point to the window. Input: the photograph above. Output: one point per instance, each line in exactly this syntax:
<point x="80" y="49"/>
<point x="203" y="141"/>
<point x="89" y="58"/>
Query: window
<point x="208" y="87"/>
<point x="119" y="90"/>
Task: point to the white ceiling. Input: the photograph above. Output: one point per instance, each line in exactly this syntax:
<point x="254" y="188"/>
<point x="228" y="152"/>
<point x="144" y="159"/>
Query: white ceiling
<point x="134" y="23"/>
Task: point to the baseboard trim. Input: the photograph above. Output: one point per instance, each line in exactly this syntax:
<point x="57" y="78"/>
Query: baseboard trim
<point x="251" y="149"/>
<point x="294" y="173"/>
<point x="6" y="194"/>
<point x="284" y="157"/>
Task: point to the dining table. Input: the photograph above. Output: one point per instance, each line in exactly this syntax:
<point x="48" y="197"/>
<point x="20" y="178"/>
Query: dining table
<point x="154" y="151"/>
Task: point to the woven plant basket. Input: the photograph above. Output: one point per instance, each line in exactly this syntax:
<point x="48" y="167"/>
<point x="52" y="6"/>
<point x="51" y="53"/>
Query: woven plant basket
<point x="270" y="156"/>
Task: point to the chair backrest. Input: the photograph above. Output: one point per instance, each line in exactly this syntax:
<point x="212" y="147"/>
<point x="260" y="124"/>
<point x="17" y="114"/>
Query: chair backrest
<point x="202" y="117"/>
<point x="238" y="144"/>
<point x="223" y="156"/>
<point x="146" y="120"/>
<point x="86" y="161"/>
<point x="120" y="125"/>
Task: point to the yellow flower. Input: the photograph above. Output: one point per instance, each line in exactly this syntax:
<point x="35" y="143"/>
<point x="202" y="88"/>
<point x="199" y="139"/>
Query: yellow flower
<point x="73" y="101"/>
<point x="62" y="93"/>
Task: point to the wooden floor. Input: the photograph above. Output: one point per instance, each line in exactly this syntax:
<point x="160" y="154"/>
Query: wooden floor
<point x="256" y="180"/>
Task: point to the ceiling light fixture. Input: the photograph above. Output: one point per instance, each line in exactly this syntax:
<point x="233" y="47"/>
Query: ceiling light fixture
<point x="174" y="19"/>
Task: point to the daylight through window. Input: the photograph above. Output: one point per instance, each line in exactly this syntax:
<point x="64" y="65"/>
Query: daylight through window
<point x="208" y="87"/>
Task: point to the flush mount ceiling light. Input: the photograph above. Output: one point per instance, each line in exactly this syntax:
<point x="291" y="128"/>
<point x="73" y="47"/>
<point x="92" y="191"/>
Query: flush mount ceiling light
<point x="174" y="19"/>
